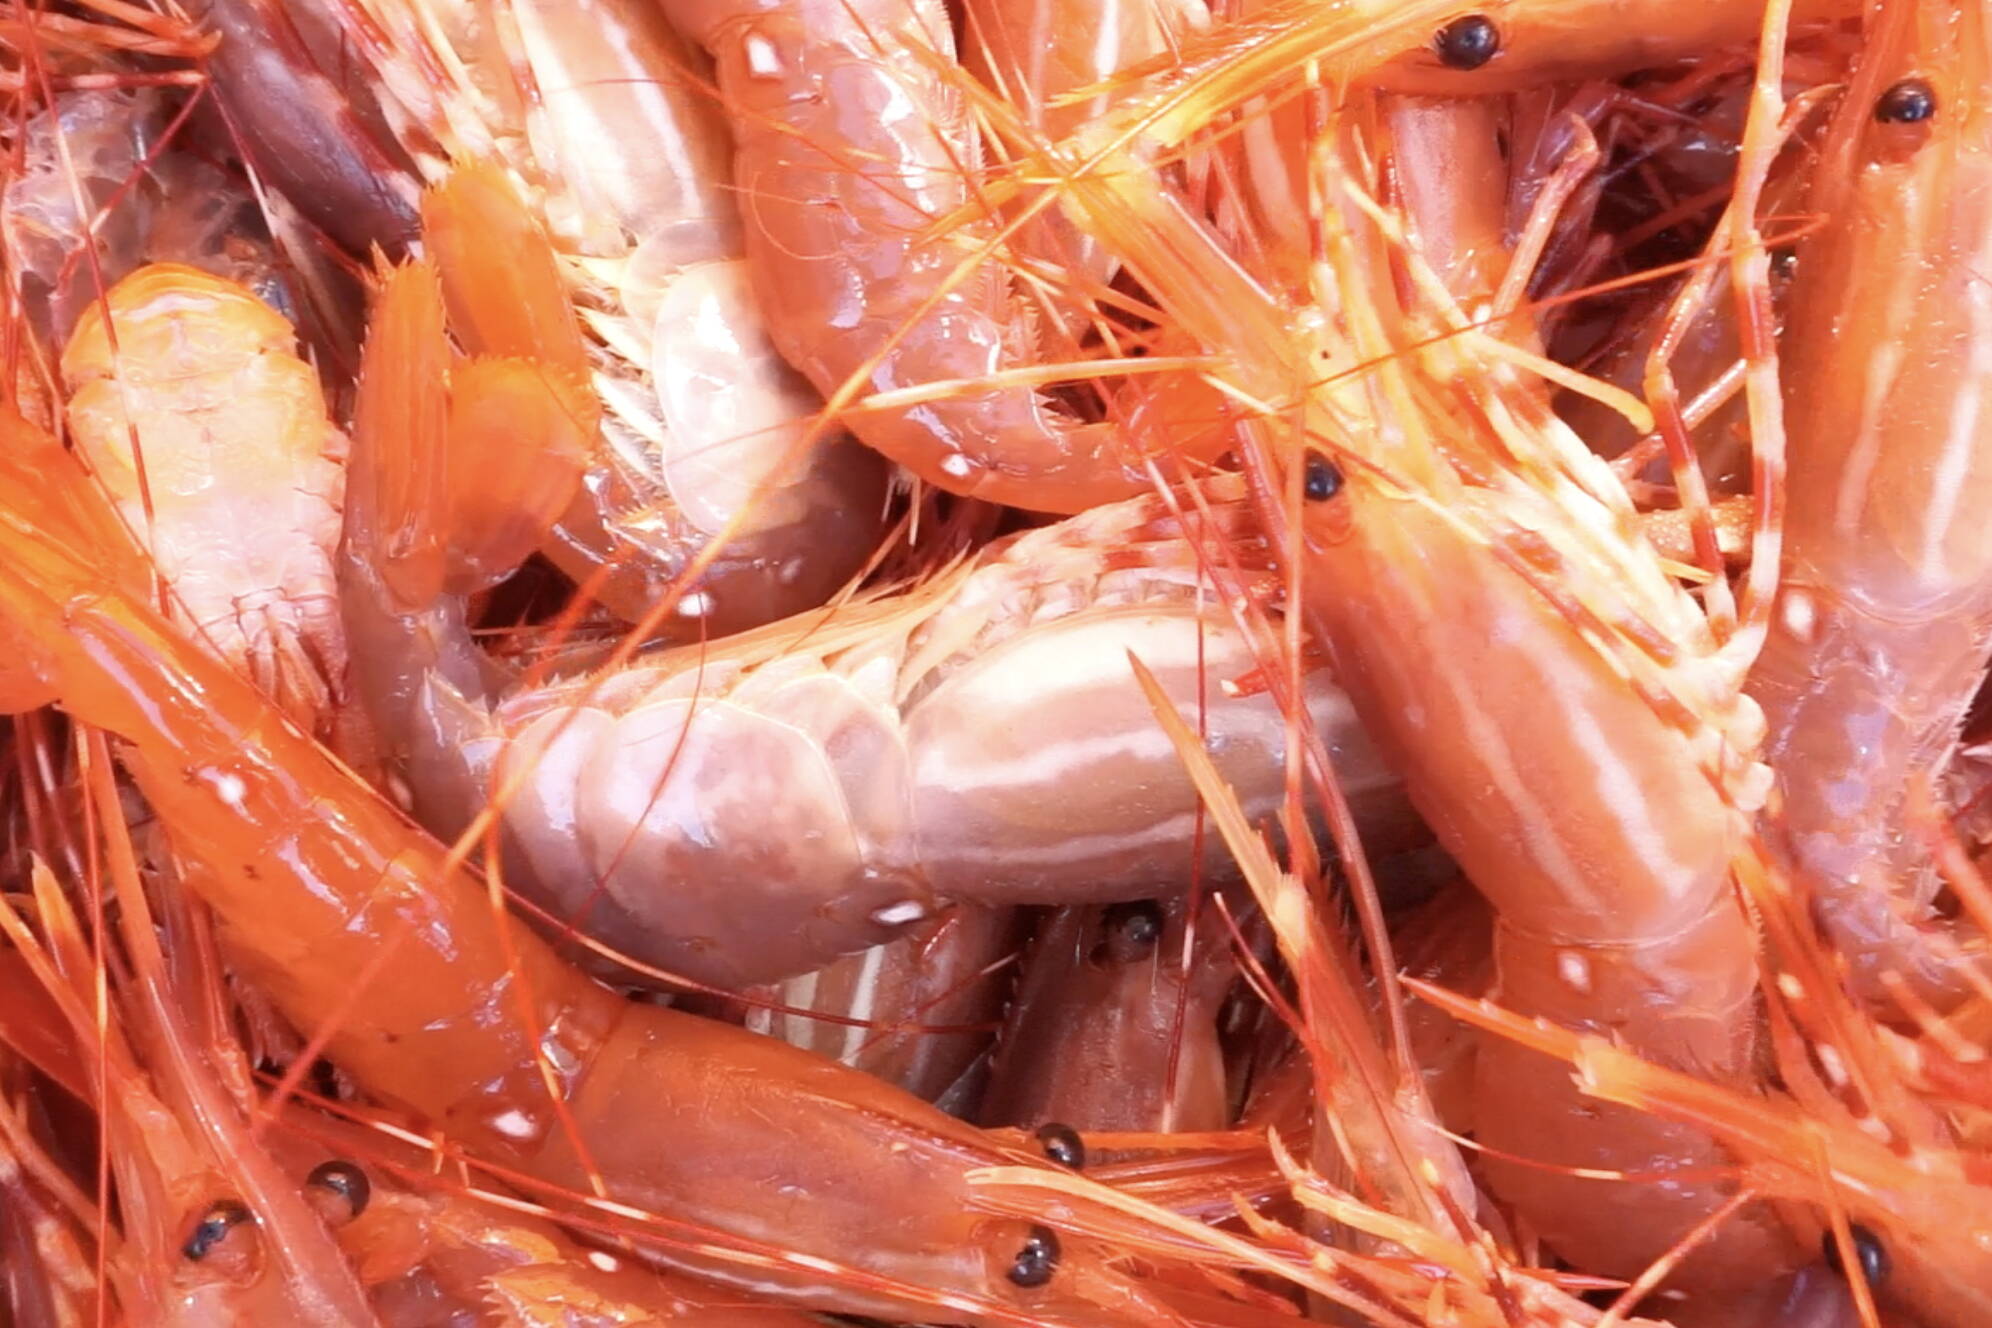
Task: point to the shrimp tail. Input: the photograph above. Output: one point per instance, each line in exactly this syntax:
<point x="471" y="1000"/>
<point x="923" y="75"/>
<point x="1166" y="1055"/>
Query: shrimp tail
<point x="414" y="535"/>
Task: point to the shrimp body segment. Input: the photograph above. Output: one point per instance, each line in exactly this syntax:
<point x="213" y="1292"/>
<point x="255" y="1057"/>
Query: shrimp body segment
<point x="237" y="480"/>
<point x="1884" y="620"/>
<point x="851" y="145"/>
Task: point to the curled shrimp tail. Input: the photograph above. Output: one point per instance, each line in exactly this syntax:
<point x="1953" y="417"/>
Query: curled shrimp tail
<point x="409" y="543"/>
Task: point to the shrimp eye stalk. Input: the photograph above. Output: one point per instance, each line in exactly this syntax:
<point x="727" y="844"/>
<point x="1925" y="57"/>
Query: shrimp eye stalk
<point x="222" y="1217"/>
<point x="1911" y="101"/>
<point x="1037" y="1260"/>
<point x="1468" y="42"/>
<point x="1322" y="481"/>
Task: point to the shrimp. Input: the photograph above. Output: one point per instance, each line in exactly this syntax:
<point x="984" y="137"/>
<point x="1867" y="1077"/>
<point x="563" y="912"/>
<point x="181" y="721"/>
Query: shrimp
<point x="282" y="1227"/>
<point x="177" y="1144"/>
<point x="916" y="1012"/>
<point x="1884" y="619"/>
<point x="779" y="1173"/>
<point x="864" y="297"/>
<point x="1114" y="1026"/>
<point x="189" y="379"/>
<point x="1661" y="956"/>
<point x="1601" y="828"/>
<point x="861" y="294"/>
<point x="579" y="219"/>
<point x="751" y="809"/>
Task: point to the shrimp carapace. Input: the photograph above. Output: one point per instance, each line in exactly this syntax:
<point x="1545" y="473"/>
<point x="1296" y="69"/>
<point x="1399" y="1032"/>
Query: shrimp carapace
<point x="1884" y="618"/>
<point x="195" y="414"/>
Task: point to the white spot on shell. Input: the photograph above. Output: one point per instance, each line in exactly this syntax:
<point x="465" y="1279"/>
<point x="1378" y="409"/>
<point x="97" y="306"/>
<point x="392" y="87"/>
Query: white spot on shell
<point x="1791" y="987"/>
<point x="899" y="914"/>
<point x="608" y="1263"/>
<point x="230" y="789"/>
<point x="695" y="605"/>
<point x="957" y="465"/>
<point x="1574" y="969"/>
<point x="763" y="60"/>
<point x="513" y="1124"/>
<point x="1801" y="616"/>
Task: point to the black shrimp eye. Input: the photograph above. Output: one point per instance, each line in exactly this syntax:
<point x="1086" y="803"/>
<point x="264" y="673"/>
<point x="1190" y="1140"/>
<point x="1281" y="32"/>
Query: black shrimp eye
<point x="344" y="1181"/>
<point x="222" y="1217"/>
<point x="1037" y="1260"/>
<point x="1468" y="42"/>
<point x="1868" y="1251"/>
<point x="1062" y="1145"/>
<point x="1133" y="930"/>
<point x="1322" y="481"/>
<point x="1909" y="102"/>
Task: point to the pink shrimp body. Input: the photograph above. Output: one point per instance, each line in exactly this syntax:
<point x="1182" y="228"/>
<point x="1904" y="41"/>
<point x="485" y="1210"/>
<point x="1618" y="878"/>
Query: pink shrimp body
<point x="579" y="162"/>
<point x="755" y="808"/>
<point x="1600" y="827"/>
<point x="954" y="973"/>
<point x="1884" y="618"/>
<point x="1113" y="1026"/>
<point x="850" y="145"/>
<point x="803" y="1180"/>
<point x="237" y="481"/>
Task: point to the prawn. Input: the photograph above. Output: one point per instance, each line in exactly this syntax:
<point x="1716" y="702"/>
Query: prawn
<point x="1424" y="565"/>
<point x="230" y="1218"/>
<point x="878" y="273"/>
<point x="179" y="377"/>
<point x="875" y="264"/>
<point x="754" y="808"/>
<point x="1884" y="617"/>
<point x="579" y="220"/>
<point x="1114" y="1025"/>
<point x="782" y="1174"/>
<point x="176" y="1142"/>
<point x="917" y="1012"/>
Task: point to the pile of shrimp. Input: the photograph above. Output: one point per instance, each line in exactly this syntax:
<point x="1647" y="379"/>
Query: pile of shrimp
<point x="525" y="526"/>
